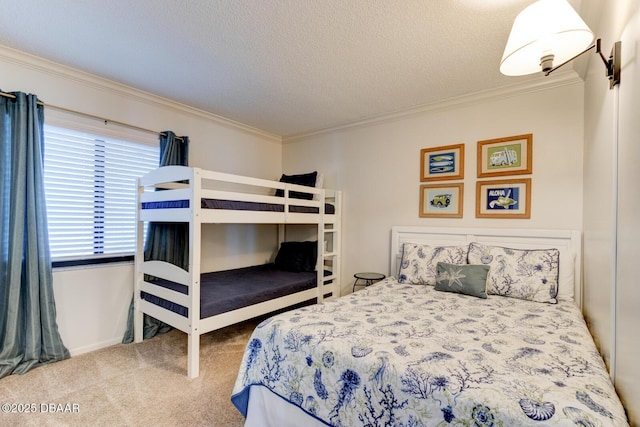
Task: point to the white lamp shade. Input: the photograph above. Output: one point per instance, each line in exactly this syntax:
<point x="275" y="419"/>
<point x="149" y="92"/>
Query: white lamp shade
<point x="543" y="28"/>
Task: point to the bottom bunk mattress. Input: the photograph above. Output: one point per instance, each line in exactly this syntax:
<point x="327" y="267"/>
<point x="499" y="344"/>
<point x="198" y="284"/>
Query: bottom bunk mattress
<point x="223" y="291"/>
<point x="409" y="355"/>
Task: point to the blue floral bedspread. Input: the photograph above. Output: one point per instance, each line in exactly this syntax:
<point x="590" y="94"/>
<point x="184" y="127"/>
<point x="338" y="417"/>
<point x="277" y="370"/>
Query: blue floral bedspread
<point x="407" y="355"/>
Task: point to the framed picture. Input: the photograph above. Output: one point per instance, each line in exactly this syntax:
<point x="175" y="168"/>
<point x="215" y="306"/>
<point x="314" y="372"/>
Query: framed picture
<point x="442" y="163"/>
<point x="508" y="198"/>
<point x="441" y="200"/>
<point x="505" y="156"/>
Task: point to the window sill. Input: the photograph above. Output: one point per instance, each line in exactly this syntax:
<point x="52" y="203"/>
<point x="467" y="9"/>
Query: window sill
<point x="83" y="264"/>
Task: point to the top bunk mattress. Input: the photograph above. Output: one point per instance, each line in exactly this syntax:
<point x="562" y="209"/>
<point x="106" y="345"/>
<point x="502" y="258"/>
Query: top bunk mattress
<point x="237" y="205"/>
<point x="223" y="291"/>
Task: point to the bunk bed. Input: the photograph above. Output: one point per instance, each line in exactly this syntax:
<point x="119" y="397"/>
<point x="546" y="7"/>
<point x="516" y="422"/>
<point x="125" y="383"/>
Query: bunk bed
<point x="425" y="348"/>
<point x="197" y="302"/>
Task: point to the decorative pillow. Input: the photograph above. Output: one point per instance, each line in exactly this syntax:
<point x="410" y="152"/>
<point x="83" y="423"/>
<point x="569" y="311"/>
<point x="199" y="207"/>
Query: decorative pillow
<point x="525" y="274"/>
<point x="307" y="179"/>
<point x="462" y="279"/>
<point x="297" y="256"/>
<point x="419" y="262"/>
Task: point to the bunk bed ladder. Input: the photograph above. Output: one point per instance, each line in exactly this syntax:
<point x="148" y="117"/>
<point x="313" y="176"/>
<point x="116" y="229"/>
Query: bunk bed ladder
<point x="329" y="249"/>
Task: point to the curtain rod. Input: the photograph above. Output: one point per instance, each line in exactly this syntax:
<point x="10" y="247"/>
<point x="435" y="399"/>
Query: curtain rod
<point x="80" y="113"/>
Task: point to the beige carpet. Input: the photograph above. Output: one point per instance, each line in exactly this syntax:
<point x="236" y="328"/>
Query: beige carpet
<point x="134" y="385"/>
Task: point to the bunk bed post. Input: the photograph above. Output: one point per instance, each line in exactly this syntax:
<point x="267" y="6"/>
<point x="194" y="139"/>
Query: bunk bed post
<point x="138" y="276"/>
<point x="337" y="245"/>
<point x="195" y="230"/>
<point x="281" y="234"/>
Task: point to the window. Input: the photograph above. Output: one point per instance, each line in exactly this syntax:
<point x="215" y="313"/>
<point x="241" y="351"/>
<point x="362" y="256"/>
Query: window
<point x="90" y="186"/>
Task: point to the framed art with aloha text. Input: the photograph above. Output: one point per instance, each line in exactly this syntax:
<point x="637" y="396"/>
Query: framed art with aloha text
<point x="508" y="198"/>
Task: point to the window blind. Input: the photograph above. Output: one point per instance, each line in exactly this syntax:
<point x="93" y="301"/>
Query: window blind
<point x="90" y="187"/>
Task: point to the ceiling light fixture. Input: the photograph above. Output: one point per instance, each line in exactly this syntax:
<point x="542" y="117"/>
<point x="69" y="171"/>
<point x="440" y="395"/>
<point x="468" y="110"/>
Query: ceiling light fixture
<point x="548" y="31"/>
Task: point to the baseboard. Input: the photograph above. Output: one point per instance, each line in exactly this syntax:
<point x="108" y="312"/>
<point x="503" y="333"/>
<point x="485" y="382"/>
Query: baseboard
<point x="77" y="351"/>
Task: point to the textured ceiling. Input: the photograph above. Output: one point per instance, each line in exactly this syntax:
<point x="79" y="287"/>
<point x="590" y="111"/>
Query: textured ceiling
<point x="284" y="66"/>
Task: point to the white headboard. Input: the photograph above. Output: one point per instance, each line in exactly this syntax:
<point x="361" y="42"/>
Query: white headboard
<point x="568" y="242"/>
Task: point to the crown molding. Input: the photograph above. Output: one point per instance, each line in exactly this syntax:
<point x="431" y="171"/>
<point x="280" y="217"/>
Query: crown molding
<point x="42" y="65"/>
<point x="476" y="98"/>
<point x="55" y="69"/>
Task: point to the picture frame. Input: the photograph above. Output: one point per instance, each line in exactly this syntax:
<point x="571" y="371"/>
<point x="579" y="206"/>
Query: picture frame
<point x="441" y="200"/>
<point x="442" y="163"/>
<point x="512" y="155"/>
<point x="507" y="198"/>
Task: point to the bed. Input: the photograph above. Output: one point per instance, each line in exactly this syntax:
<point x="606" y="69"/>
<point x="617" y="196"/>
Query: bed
<point x="411" y="352"/>
<point x="198" y="302"/>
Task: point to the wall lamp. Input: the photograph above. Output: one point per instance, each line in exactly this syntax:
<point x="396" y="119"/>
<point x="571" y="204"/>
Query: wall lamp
<point x="548" y="31"/>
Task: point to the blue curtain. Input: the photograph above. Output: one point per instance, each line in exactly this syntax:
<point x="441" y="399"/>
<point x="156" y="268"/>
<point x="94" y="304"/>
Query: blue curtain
<point x="28" y="331"/>
<point x="170" y="241"/>
<point x="165" y="241"/>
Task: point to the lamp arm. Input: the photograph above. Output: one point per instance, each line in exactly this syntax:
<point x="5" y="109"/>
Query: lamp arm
<point x="596" y="45"/>
<point x="607" y="62"/>
<point x="612" y="64"/>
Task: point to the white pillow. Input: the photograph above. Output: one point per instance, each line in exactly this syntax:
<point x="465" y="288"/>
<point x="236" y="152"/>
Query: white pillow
<point x="566" y="280"/>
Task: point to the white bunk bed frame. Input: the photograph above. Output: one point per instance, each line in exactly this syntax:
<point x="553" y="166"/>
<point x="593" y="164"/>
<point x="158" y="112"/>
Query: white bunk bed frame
<point x="192" y="184"/>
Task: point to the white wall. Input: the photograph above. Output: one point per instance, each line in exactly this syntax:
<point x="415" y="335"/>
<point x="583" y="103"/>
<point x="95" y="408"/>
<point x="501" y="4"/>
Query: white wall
<point x="378" y="166"/>
<point x="614" y="232"/>
<point x="92" y="302"/>
<point x="599" y="206"/>
<point x="627" y="374"/>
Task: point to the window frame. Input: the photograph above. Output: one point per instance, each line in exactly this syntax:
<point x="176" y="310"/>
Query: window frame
<point x="106" y="129"/>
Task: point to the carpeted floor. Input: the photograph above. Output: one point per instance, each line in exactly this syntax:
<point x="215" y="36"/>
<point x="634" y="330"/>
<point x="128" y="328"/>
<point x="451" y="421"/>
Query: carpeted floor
<point x="133" y="385"/>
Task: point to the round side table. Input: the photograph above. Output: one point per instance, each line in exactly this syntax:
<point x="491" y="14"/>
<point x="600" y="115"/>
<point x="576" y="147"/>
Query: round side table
<point x="366" y="279"/>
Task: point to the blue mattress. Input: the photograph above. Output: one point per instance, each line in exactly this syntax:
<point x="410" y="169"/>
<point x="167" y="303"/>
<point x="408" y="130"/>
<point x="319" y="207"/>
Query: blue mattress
<point x="228" y="290"/>
<point x="236" y="205"/>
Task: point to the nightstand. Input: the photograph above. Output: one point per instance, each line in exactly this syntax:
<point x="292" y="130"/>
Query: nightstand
<point x="366" y="279"/>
